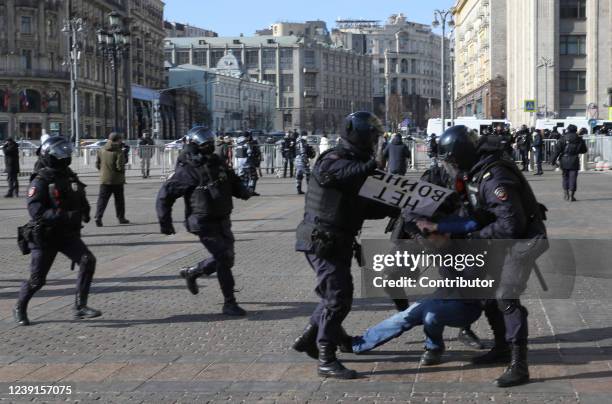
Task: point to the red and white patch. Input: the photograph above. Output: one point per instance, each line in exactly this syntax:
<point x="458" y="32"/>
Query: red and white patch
<point x="31" y="192"/>
<point x="501" y="193"/>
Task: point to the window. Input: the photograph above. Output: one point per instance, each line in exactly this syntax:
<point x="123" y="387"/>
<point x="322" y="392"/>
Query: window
<point x="252" y="59"/>
<point x="572" y="45"/>
<point x="269" y="58"/>
<point x="199" y="58"/>
<point x="215" y="56"/>
<point x="310" y="81"/>
<point x="572" y="81"/>
<point x="26" y="25"/>
<point x="182" y="57"/>
<point x="309" y="58"/>
<point x="270" y="78"/>
<point x="286" y="82"/>
<point x="286" y="58"/>
<point x="26" y="59"/>
<point x="573" y="9"/>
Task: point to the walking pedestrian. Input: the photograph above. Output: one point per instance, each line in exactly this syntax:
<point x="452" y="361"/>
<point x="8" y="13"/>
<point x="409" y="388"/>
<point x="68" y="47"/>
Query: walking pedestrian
<point x="397" y="154"/>
<point x="569" y="148"/>
<point x="288" y="153"/>
<point x="111" y="164"/>
<point x="538" y="151"/>
<point x="146" y="148"/>
<point x="11" y="167"/>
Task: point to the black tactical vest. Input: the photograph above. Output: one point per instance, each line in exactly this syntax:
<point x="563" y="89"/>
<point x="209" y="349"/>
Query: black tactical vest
<point x="212" y="198"/>
<point x="330" y="208"/>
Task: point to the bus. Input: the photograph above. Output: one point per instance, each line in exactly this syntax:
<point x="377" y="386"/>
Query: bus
<point x="434" y="125"/>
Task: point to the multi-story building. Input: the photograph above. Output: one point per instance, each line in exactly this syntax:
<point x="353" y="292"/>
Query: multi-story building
<point x="317" y="84"/>
<point x="34" y="65"/>
<point x="480" y="58"/>
<point x="232" y="100"/>
<point x="178" y="30"/>
<point x="405" y="66"/>
<point x="560" y="55"/>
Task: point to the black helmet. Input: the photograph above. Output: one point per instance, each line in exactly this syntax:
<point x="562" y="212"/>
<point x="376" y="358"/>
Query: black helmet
<point x="362" y="130"/>
<point x="56" y="152"/>
<point x="458" y="146"/>
<point x="203" y="137"/>
<point x="571" y="128"/>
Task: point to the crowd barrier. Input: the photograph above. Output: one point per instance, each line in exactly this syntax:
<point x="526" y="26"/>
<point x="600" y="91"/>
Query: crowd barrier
<point x="162" y="159"/>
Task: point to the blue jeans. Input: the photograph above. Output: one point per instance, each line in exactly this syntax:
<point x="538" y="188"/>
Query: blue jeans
<point x="434" y="314"/>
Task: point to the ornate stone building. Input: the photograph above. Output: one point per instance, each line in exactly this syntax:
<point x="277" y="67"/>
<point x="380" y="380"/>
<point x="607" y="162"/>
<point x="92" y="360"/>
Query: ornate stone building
<point x="480" y="58"/>
<point x="35" y="73"/>
<point x="317" y="83"/>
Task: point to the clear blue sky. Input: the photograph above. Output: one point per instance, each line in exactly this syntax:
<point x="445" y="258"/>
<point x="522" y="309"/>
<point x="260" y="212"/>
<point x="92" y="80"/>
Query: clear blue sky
<point x="232" y="17"/>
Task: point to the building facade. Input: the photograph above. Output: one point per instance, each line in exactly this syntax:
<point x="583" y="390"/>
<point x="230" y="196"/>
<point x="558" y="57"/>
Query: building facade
<point x="405" y="66"/>
<point x="480" y="58"/>
<point x="561" y="58"/>
<point x="317" y="84"/>
<point x="35" y="71"/>
<point x="178" y="30"/>
<point x="229" y="98"/>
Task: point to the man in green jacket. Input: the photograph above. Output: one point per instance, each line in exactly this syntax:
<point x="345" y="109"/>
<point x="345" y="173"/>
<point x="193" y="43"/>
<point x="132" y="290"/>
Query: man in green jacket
<point x="111" y="164"/>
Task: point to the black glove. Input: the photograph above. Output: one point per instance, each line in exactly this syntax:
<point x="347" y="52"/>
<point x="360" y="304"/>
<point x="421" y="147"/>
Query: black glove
<point x="371" y="166"/>
<point x="167" y="229"/>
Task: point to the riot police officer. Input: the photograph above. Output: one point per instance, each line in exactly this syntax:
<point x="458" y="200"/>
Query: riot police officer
<point x="568" y="151"/>
<point x="523" y="143"/>
<point x="248" y="157"/>
<point x="333" y="215"/>
<point x="538" y="151"/>
<point x="58" y="206"/>
<point x="288" y="153"/>
<point x="499" y="193"/>
<point x="207" y="185"/>
<point x="303" y="153"/>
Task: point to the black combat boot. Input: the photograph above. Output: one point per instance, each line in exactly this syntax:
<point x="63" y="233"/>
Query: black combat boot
<point x="231" y="308"/>
<point x="573" y="197"/>
<point x="190" y="274"/>
<point x="307" y="342"/>
<point x="20" y="314"/>
<point x="330" y="366"/>
<point x="518" y="372"/>
<point x="81" y="310"/>
<point x="566" y="195"/>
<point x="468" y="338"/>
<point x="346" y="341"/>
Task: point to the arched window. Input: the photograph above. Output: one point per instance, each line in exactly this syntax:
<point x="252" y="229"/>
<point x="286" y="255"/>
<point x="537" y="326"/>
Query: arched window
<point x="29" y="101"/>
<point x="52" y="102"/>
<point x="404" y="87"/>
<point x="404" y="66"/>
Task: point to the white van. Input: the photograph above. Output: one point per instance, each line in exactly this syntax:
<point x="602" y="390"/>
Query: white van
<point x="435" y="125"/>
<point x="564" y="123"/>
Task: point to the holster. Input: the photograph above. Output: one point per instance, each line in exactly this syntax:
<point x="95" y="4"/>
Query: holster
<point x="324" y="243"/>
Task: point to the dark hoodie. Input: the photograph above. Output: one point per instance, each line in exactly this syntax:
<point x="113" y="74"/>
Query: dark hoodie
<point x="397" y="154"/>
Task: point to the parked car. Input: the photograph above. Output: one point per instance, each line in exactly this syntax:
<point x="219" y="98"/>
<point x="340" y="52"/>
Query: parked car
<point x="97" y="145"/>
<point x="175" y="145"/>
<point x="26" y="148"/>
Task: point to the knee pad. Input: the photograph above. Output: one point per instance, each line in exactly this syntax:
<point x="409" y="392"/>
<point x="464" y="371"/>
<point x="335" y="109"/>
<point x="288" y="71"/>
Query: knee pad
<point x="507" y="306"/>
<point x="88" y="262"/>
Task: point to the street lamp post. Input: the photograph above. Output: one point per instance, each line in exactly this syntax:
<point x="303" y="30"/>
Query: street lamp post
<point x="445" y="17"/>
<point x="115" y="44"/>
<point x="74" y="29"/>
<point x="546" y="63"/>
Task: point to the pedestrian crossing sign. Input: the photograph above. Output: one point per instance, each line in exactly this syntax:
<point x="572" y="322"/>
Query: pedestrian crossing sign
<point x="530" y="106"/>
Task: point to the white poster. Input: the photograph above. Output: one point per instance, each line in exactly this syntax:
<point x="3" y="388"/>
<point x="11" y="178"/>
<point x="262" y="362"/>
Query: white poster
<point x="419" y="197"/>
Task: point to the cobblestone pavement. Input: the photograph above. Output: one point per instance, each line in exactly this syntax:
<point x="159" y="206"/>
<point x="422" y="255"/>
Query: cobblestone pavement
<point x="158" y="343"/>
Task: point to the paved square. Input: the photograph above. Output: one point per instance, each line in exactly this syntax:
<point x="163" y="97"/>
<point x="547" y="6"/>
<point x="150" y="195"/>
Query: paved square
<point x="158" y="343"/>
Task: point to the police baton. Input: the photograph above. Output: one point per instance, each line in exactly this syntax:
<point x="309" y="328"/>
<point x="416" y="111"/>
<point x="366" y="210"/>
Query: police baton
<point x="543" y="284"/>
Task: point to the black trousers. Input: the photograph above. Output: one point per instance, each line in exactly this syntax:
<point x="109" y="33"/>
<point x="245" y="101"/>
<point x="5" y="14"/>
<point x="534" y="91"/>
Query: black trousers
<point x="13" y="184"/>
<point x="219" y="241"/>
<point x="287" y="162"/>
<point x="42" y="260"/>
<point x="570" y="180"/>
<point x="509" y="325"/>
<point x="105" y="193"/>
<point x="335" y="289"/>
<point x="524" y="159"/>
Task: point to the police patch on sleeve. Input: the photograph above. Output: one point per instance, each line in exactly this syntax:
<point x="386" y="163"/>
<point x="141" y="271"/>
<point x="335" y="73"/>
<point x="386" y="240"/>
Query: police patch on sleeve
<point x="31" y="192"/>
<point x="501" y="193"/>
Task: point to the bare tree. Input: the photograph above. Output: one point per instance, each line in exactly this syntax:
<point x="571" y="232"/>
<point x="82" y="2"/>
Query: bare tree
<point x="395" y="110"/>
